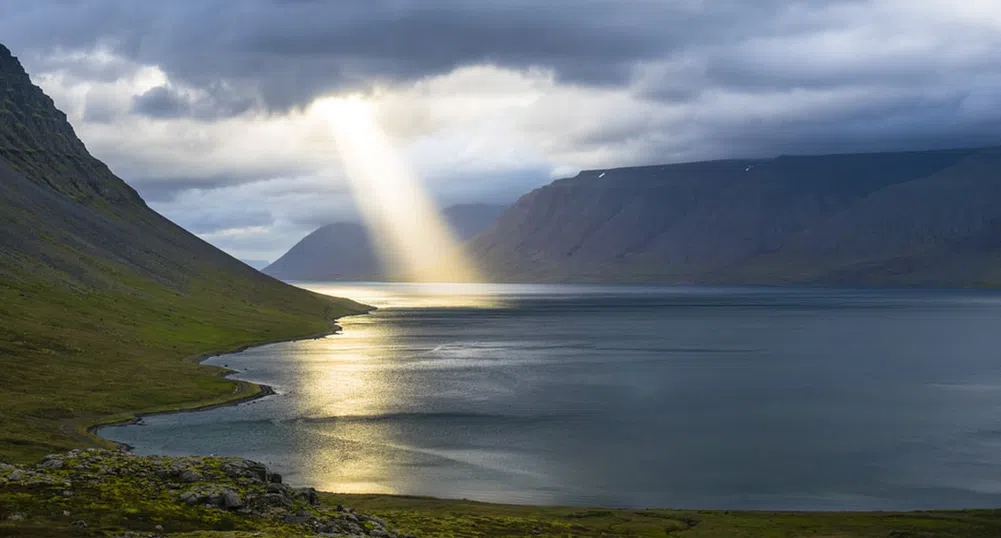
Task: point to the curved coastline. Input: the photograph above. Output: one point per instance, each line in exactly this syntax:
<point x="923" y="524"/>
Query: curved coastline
<point x="86" y="429"/>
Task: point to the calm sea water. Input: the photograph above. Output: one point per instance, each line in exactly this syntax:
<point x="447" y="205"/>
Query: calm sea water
<point x="628" y="396"/>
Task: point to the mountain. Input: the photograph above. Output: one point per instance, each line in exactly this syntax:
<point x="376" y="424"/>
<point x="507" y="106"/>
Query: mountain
<point x="345" y="251"/>
<point x="256" y="264"/>
<point x="101" y="298"/>
<point x="927" y="218"/>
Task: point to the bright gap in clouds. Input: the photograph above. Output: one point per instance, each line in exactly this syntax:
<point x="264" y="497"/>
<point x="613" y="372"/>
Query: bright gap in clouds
<point x="413" y="240"/>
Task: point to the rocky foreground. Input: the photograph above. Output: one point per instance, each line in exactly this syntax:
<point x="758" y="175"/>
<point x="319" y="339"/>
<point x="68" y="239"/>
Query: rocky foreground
<point x="111" y="493"/>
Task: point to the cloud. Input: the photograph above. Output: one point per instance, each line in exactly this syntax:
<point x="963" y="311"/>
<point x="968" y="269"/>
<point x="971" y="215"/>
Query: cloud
<point x="161" y="102"/>
<point x="166" y="102"/>
<point x="205" y="103"/>
<point x="292" y="51"/>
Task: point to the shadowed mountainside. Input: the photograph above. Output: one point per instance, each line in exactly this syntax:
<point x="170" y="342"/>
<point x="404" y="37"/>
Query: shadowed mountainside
<point x="345" y="251"/>
<point x="101" y="298"/>
<point x="929" y="218"/>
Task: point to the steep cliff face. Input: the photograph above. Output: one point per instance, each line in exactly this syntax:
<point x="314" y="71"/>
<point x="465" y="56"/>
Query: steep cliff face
<point x="834" y="219"/>
<point x="38" y="141"/>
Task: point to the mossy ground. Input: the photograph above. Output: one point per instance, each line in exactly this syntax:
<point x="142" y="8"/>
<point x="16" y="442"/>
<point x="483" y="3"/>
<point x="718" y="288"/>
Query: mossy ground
<point x="436" y="518"/>
<point x="109" y="493"/>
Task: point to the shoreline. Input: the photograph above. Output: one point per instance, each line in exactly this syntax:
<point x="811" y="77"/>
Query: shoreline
<point x="86" y="429"/>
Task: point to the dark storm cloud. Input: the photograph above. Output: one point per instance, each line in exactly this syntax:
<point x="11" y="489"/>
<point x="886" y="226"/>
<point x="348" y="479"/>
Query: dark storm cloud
<point x="161" y="102"/>
<point x="290" y="52"/>
<point x="164" y="102"/>
<point x="282" y="54"/>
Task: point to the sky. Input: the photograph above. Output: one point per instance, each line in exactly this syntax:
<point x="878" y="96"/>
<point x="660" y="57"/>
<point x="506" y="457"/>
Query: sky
<point x="204" y="106"/>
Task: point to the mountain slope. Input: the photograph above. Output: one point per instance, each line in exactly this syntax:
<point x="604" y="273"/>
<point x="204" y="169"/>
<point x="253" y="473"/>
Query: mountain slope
<point x="101" y="297"/>
<point x="891" y="218"/>
<point x="345" y="251"/>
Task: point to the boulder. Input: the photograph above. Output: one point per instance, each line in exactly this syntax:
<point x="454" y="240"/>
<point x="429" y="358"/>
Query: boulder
<point x="231" y="500"/>
<point x="189" y="476"/>
<point x="308" y="495"/>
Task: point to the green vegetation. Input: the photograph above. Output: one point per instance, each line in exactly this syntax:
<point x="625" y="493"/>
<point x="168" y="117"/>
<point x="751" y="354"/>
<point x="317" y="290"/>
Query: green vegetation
<point x="72" y="357"/>
<point x="102" y="493"/>
<point x="434" y="518"/>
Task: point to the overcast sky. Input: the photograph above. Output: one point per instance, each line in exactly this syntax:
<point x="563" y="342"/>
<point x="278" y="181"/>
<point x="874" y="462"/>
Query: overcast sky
<point x="202" y="104"/>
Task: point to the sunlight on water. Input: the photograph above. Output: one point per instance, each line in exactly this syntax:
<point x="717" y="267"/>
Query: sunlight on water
<point x="413" y="295"/>
<point x="341" y="382"/>
<point x="414" y="241"/>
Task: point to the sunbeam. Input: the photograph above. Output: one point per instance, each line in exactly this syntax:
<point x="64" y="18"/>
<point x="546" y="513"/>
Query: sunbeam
<point x="413" y="240"/>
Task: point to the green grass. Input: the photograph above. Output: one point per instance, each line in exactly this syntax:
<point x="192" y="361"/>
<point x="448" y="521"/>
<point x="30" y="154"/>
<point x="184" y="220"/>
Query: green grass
<point x="73" y="357"/>
<point x="436" y="518"/>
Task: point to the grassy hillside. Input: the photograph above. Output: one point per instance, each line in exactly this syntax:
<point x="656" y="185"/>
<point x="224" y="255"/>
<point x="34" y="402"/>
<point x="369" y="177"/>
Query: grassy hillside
<point x="75" y="356"/>
<point x="104" y="304"/>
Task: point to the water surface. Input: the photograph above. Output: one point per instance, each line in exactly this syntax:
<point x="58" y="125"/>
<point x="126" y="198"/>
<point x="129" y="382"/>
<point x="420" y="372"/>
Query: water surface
<point x="628" y="396"/>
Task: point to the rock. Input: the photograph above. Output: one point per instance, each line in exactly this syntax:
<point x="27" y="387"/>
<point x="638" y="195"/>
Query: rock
<point x="190" y="497"/>
<point x="79" y="524"/>
<point x="67" y="493"/>
<point x="66" y="513"/>
<point x="340" y="507"/>
<point x="275" y="478"/>
<point x="51" y="463"/>
<point x="275" y="499"/>
<point x="308" y="495"/>
<point x="17" y="475"/>
<point x="239" y="468"/>
<point x="17" y="516"/>
<point x="297" y="519"/>
<point x="190" y="476"/>
<point x="231" y="500"/>
<point x="280" y="489"/>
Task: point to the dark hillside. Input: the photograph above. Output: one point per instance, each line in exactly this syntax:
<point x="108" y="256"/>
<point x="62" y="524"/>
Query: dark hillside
<point x="863" y="219"/>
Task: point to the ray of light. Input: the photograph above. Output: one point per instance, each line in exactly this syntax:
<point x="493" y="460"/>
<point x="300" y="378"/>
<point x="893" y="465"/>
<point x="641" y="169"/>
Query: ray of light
<point x="414" y="241"/>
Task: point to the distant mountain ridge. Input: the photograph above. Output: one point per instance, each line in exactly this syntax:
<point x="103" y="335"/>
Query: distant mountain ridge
<point x="345" y="250"/>
<point x="924" y="218"/>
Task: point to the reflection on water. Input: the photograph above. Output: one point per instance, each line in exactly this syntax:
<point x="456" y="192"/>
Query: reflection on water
<point x="681" y="397"/>
<point x="417" y="295"/>
<point x="338" y="383"/>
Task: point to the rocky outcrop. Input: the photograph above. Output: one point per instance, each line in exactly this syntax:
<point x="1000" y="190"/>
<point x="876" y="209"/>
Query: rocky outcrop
<point x="98" y="490"/>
